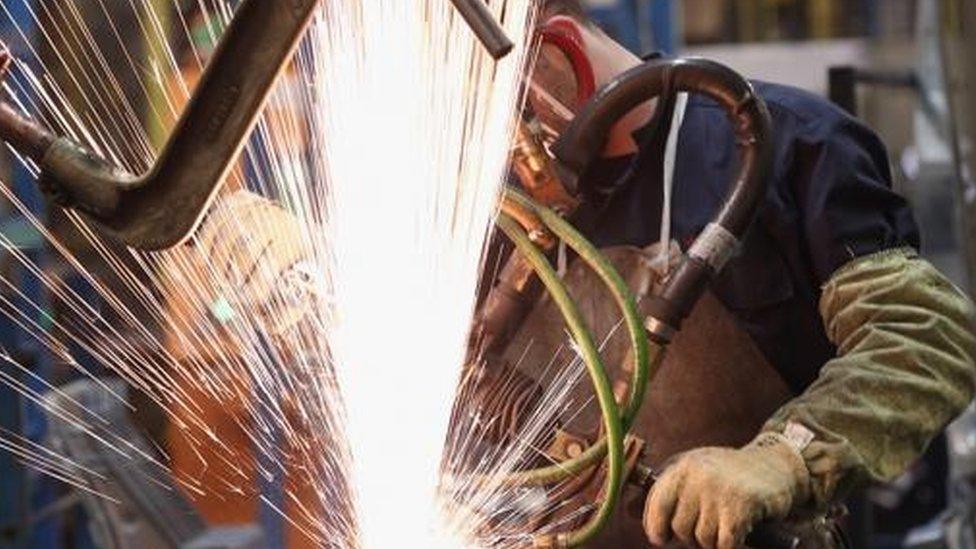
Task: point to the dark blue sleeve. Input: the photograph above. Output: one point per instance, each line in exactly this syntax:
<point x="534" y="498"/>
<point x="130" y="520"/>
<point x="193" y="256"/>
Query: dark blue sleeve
<point x="838" y="174"/>
<point x="829" y="201"/>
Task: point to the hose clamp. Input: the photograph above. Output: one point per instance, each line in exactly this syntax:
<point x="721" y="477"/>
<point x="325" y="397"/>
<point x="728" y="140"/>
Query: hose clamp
<point x="715" y="246"/>
<point x="659" y="330"/>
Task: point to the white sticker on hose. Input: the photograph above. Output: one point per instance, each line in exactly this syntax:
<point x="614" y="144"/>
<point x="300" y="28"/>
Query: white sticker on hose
<point x="670" y="161"/>
<point x="715" y="245"/>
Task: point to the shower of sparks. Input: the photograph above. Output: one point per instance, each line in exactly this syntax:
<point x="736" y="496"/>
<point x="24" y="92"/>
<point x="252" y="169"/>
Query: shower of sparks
<point x="416" y="131"/>
<point x="313" y="333"/>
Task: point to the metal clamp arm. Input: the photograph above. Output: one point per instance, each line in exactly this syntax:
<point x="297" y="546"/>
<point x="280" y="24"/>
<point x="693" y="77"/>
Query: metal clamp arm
<point x="161" y="208"/>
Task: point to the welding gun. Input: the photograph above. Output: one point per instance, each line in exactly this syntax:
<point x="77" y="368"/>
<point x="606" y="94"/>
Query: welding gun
<point x="160" y="208"/>
<point x="534" y="227"/>
<point x="765" y="535"/>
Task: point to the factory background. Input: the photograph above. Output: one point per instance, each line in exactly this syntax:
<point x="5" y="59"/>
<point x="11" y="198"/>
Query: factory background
<point x="885" y="61"/>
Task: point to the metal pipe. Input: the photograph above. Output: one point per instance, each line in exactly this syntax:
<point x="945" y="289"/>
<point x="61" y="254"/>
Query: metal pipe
<point x="485" y="27"/>
<point x="25" y="136"/>
<point x="585" y="138"/>
<point x="161" y="208"/>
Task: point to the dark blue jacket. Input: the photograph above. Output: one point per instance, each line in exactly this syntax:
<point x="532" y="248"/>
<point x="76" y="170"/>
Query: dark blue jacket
<point x="829" y="201"/>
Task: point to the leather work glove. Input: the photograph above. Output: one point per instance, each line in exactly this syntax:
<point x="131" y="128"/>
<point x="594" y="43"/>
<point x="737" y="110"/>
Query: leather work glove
<point x="255" y="254"/>
<point x="712" y="497"/>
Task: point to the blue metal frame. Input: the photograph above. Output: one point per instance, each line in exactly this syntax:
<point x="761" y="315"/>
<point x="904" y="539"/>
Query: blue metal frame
<point x="642" y="26"/>
<point x="666" y="25"/>
<point x="23" y="490"/>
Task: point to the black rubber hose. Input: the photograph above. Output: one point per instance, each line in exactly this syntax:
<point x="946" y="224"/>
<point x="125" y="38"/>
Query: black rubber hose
<point x="584" y="140"/>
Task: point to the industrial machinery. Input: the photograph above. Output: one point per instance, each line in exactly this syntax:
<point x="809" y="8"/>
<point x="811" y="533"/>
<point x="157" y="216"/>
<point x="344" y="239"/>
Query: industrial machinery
<point x="156" y="513"/>
<point x="160" y="209"/>
<point x="537" y="220"/>
<point x="948" y="38"/>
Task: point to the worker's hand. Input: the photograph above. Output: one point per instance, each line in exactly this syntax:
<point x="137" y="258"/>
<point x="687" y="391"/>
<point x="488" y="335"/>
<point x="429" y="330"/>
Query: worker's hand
<point x="712" y="497"/>
<point x="253" y="249"/>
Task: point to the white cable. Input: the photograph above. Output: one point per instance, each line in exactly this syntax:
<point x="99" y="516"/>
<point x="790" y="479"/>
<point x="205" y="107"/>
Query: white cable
<point x="670" y="159"/>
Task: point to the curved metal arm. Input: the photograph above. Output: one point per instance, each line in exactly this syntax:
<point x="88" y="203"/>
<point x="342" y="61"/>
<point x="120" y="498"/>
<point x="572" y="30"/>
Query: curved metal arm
<point x="584" y="140"/>
<point x="161" y="208"/>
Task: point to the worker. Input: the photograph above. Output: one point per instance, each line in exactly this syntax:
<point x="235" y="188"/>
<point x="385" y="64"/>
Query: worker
<point x="861" y="350"/>
<point x="875" y="346"/>
<point x="224" y="480"/>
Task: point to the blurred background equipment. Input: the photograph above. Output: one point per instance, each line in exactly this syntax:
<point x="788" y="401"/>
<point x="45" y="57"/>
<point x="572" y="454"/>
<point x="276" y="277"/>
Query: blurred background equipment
<point x="24" y="493"/>
<point x="154" y="513"/>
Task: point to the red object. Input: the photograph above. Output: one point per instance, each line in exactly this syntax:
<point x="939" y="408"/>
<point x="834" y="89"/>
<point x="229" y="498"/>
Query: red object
<point x="563" y="33"/>
<point x="6" y="60"/>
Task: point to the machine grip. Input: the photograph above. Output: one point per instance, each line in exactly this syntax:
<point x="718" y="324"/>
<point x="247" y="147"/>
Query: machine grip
<point x="769" y="535"/>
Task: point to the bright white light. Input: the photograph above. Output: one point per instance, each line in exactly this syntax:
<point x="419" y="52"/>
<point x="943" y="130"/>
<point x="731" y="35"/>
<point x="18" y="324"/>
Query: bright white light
<point x="411" y="123"/>
<point x="416" y="123"/>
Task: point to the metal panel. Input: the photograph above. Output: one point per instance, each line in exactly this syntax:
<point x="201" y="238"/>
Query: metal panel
<point x="22" y="489"/>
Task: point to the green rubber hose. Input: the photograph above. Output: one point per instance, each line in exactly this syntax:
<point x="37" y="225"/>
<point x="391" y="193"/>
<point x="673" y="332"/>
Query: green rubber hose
<point x="614" y="441"/>
<point x="647" y="356"/>
<point x="618" y="289"/>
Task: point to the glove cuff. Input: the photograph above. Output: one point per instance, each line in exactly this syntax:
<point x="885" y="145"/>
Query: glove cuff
<point x="787" y="452"/>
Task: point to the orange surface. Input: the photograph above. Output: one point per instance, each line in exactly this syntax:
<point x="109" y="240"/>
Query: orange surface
<point x="224" y="473"/>
<point x="227" y="473"/>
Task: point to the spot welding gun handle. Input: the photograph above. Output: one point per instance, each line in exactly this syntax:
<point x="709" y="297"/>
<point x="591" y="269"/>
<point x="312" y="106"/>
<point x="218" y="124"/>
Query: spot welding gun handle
<point x="765" y="535"/>
<point x="584" y="140"/>
<point x="768" y="535"/>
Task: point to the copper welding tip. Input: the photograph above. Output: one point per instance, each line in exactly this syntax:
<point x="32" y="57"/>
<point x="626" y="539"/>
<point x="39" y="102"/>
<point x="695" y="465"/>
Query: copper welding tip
<point x="6" y="60"/>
